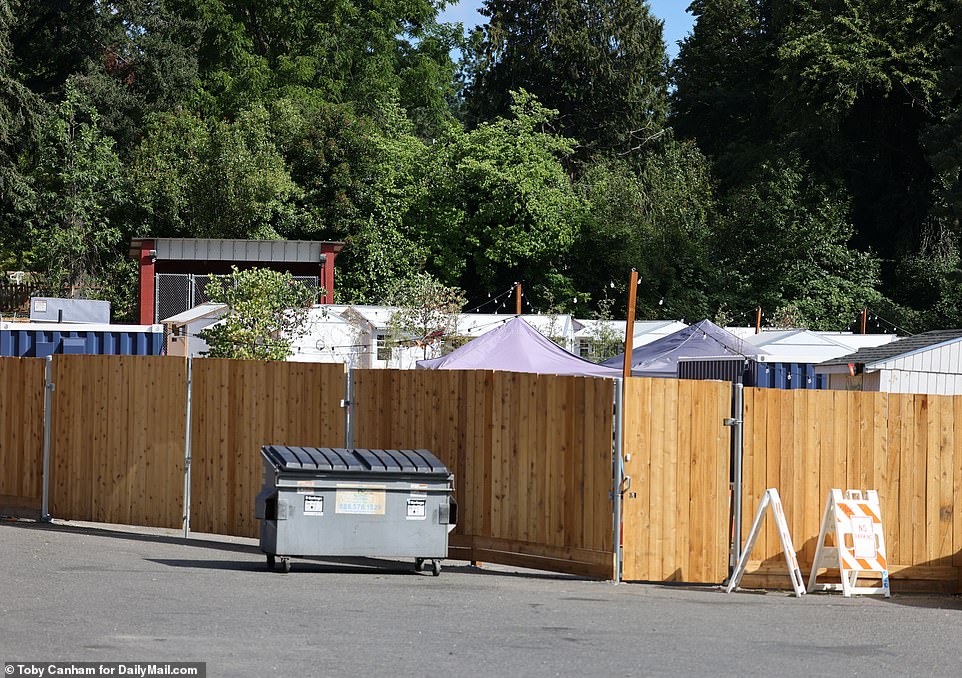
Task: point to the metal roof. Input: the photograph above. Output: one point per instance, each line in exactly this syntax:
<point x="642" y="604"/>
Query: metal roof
<point x="902" y="347"/>
<point x="205" y="249"/>
<point x="196" y="313"/>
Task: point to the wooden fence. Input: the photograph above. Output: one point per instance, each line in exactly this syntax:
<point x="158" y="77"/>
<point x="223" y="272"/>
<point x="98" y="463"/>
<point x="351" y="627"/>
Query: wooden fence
<point x="21" y="435"/>
<point x="908" y="447"/>
<point x="238" y="407"/>
<point x="117" y="440"/>
<point x="532" y="457"/>
<point x="676" y="510"/>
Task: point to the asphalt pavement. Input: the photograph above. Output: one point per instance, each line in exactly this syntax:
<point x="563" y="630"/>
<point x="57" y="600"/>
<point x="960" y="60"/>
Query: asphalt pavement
<point x="80" y="593"/>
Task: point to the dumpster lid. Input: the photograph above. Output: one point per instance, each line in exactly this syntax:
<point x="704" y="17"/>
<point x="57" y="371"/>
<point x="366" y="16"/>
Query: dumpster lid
<point x="327" y="459"/>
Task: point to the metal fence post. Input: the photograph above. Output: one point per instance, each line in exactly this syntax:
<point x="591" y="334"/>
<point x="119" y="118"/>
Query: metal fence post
<point x="737" y="422"/>
<point x="187" y="450"/>
<point x="48" y="387"/>
<point x="348" y="405"/>
<point x="618" y="478"/>
<point x="157" y="280"/>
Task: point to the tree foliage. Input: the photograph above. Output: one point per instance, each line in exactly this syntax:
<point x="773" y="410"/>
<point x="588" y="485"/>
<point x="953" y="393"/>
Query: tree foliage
<point x="601" y="65"/>
<point x="426" y="315"/>
<point x="266" y="311"/>
<point x="213" y="178"/>
<point x="499" y="206"/>
<point x="79" y="189"/>
<point x="806" y="157"/>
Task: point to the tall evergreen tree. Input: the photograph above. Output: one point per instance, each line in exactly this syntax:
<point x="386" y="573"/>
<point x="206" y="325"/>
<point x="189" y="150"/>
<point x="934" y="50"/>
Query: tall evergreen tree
<point x="723" y="79"/>
<point x="601" y="65"/>
<point x="859" y="82"/>
<point x="17" y="109"/>
<point x="128" y="57"/>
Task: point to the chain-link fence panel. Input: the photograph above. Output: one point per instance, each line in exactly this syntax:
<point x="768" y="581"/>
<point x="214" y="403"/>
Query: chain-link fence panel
<point x="178" y="292"/>
<point x="173" y="295"/>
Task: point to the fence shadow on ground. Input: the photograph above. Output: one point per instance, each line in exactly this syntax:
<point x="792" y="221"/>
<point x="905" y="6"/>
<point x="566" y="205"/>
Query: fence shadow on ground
<point x="328" y="565"/>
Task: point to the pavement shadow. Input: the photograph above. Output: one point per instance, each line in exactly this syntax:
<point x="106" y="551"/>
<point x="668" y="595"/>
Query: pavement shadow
<point x="129" y="536"/>
<point x="329" y="565"/>
<point x="345" y="565"/>
<point x="325" y="566"/>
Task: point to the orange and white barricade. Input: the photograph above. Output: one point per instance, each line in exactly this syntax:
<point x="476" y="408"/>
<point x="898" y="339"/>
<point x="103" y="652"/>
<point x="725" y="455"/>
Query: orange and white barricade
<point x="855" y="520"/>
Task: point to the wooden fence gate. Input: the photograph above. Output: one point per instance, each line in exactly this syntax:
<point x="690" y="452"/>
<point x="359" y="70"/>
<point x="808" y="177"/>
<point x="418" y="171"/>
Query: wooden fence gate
<point x="21" y="436"/>
<point x="676" y="509"/>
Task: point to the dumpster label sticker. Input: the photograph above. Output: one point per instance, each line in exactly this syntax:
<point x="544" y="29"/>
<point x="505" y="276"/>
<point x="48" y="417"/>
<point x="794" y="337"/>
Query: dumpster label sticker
<point x="305" y="487"/>
<point x="313" y="506"/>
<point x="364" y="501"/>
<point x="417" y="504"/>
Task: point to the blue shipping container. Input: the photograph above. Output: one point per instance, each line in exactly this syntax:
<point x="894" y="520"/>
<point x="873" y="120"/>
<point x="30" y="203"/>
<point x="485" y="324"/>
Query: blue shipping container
<point x="753" y="373"/>
<point x="38" y="340"/>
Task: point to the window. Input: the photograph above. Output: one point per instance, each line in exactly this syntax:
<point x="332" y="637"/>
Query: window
<point x="383" y="351"/>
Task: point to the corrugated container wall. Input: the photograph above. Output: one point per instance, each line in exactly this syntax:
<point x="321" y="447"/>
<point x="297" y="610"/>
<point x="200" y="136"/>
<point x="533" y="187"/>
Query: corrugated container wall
<point x="28" y="340"/>
<point x="752" y="373"/>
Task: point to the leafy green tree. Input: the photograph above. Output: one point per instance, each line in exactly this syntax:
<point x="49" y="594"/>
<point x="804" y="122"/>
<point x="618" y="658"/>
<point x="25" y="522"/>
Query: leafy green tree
<point x="361" y="175"/>
<point x="79" y="187"/>
<point x="498" y="206"/>
<point x="426" y="315"/>
<point x="601" y="65"/>
<point x="351" y="51"/>
<point x="782" y="243"/>
<point x="213" y="178"/>
<point x="656" y="219"/>
<point x="266" y="311"/>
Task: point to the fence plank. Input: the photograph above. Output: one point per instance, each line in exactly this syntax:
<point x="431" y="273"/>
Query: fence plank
<point x="21" y="440"/>
<point x="535" y="452"/>
<point x="676" y="527"/>
<point x="122" y="462"/>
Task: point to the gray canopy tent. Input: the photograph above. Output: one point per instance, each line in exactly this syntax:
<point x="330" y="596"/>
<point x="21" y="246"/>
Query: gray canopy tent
<point x="701" y="340"/>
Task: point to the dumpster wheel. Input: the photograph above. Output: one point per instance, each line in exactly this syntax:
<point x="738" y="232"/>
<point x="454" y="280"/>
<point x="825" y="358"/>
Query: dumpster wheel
<point x="286" y="565"/>
<point x="435" y="567"/>
<point x="418" y="564"/>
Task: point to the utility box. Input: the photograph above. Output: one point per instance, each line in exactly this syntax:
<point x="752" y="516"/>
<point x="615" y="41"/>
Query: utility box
<point x="54" y="310"/>
<point x="322" y="501"/>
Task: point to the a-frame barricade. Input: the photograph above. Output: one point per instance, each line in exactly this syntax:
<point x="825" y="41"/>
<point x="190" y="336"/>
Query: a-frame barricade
<point x="855" y="521"/>
<point x="770" y="498"/>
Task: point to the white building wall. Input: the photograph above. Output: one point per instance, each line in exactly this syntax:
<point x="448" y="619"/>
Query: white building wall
<point x="937" y="371"/>
<point x="330" y="338"/>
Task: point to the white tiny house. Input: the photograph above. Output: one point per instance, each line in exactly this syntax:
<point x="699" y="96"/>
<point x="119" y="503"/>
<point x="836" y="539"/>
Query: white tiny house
<point x="930" y="362"/>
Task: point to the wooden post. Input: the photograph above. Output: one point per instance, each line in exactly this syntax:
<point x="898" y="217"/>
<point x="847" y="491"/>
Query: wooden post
<point x="864" y="317"/>
<point x="630" y="325"/>
<point x="517" y="298"/>
<point x="758" y="320"/>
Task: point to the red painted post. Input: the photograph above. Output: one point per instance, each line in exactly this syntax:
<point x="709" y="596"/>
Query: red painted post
<point x="147" y="281"/>
<point x="330" y="251"/>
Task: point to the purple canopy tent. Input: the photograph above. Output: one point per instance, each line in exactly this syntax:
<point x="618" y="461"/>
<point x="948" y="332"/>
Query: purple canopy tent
<point x="701" y="340"/>
<point x="517" y="347"/>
